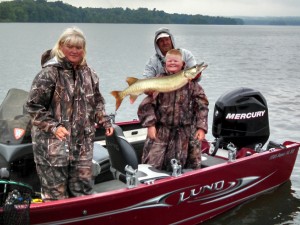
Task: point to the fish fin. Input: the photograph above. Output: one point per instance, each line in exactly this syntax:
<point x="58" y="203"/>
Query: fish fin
<point x="133" y="98"/>
<point x="154" y="95"/>
<point x="118" y="98"/>
<point x="131" y="80"/>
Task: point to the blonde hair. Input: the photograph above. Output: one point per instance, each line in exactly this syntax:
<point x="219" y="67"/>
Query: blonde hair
<point x="73" y="36"/>
<point x="174" y="52"/>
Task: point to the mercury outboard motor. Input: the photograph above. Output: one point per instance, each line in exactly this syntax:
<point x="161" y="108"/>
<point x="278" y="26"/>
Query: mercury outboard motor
<point x="241" y="118"/>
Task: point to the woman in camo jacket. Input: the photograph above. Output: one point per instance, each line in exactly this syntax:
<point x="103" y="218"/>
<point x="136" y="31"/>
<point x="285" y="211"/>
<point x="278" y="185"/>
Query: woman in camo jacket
<point x="65" y="104"/>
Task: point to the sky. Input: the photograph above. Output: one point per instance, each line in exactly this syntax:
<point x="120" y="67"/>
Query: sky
<point x="261" y="8"/>
<point x="227" y="8"/>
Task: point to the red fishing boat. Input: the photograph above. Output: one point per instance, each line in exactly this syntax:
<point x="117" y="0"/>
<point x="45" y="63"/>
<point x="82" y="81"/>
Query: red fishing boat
<point x="238" y="165"/>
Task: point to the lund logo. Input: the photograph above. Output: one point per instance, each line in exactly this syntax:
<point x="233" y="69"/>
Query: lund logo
<point x="219" y="190"/>
<point x="217" y="186"/>
<point x="241" y="116"/>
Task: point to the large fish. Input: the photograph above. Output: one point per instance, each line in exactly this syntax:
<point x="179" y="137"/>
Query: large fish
<point x="157" y="84"/>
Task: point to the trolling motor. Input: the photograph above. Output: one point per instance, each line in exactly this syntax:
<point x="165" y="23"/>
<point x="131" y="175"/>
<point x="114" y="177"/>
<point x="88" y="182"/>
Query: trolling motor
<point x="240" y="118"/>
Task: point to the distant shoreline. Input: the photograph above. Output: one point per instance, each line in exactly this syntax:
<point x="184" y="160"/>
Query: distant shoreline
<point x="31" y="11"/>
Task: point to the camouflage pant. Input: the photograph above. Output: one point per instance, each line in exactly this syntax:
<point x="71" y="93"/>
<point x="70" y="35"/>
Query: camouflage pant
<point x="172" y="143"/>
<point x="61" y="182"/>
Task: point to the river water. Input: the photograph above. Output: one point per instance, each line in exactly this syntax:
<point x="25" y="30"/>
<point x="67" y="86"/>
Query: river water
<point x="265" y="58"/>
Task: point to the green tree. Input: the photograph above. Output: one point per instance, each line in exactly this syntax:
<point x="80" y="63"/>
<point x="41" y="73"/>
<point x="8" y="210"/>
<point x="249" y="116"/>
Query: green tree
<point x="43" y="11"/>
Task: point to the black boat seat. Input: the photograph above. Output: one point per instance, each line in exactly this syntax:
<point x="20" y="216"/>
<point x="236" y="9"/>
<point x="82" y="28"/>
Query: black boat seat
<point x="122" y="154"/>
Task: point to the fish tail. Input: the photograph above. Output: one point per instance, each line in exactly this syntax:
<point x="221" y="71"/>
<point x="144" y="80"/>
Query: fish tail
<point x="118" y="98"/>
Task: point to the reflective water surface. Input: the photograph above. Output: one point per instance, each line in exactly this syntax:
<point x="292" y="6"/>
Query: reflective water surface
<point x="265" y="58"/>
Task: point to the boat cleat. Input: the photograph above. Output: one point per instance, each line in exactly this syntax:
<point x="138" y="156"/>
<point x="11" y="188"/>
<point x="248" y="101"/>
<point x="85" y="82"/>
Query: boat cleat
<point x="131" y="177"/>
<point x="231" y="152"/>
<point x="177" y="170"/>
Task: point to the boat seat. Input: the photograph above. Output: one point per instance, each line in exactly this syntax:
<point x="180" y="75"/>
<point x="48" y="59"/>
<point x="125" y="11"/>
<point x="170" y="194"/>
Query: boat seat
<point x="101" y="156"/>
<point x="122" y="154"/>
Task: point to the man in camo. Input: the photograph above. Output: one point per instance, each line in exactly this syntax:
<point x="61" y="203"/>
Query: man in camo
<point x="176" y="122"/>
<point x="65" y="103"/>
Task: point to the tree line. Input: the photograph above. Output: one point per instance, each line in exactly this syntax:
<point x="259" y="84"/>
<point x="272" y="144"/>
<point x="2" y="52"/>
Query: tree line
<point x="31" y="11"/>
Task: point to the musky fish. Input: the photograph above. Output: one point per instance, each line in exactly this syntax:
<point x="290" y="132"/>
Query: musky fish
<point x="157" y="84"/>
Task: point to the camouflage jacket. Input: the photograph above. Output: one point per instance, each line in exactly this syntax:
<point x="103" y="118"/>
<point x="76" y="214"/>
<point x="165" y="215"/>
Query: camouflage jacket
<point x="63" y="95"/>
<point x="187" y="106"/>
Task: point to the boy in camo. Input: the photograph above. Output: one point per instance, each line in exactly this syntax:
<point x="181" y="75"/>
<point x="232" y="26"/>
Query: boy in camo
<point x="176" y="121"/>
<point x="65" y="103"/>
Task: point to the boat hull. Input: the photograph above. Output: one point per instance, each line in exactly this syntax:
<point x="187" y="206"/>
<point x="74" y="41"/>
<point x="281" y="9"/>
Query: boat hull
<point x="191" y="198"/>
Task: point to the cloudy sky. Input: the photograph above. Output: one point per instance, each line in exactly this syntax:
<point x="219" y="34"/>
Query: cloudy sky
<point x="261" y="8"/>
<point x="203" y="7"/>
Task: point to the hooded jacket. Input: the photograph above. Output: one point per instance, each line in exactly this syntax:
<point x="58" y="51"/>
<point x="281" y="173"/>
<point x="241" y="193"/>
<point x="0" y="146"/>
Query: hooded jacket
<point x="156" y="63"/>
<point x="62" y="95"/>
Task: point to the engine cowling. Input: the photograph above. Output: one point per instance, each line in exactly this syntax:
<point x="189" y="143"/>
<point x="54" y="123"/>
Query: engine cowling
<point x="241" y="117"/>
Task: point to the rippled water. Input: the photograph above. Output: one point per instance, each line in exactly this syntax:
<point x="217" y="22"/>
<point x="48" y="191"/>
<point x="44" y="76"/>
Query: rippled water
<point x="265" y="58"/>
